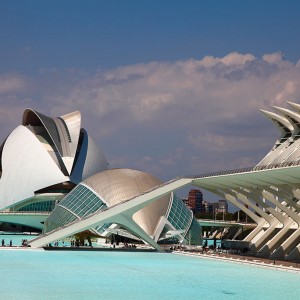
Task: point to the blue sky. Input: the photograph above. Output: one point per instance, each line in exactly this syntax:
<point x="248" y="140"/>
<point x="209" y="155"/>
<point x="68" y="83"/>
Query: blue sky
<point x="169" y="87"/>
<point x="105" y="34"/>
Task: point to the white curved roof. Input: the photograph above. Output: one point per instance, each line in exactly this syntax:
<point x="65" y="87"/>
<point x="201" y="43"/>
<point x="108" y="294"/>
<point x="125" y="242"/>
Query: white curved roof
<point x="45" y="151"/>
<point x="280" y="121"/>
<point x="117" y="185"/>
<point x="26" y="167"/>
<point x="34" y="118"/>
<point x="73" y="123"/>
<point x="90" y="159"/>
<point x="65" y="134"/>
<point x="63" y="131"/>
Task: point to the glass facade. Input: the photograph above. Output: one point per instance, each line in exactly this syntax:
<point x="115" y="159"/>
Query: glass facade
<point x="79" y="203"/>
<point x="82" y="201"/>
<point x="61" y="218"/>
<point x="194" y="233"/>
<point x="45" y="206"/>
<point x="100" y="229"/>
<point x="182" y="219"/>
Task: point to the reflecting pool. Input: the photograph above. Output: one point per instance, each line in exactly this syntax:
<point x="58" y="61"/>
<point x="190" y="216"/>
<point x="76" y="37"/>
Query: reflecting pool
<point x="38" y="274"/>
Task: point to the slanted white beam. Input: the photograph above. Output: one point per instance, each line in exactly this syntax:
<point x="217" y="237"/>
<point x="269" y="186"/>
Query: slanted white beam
<point x="120" y="213"/>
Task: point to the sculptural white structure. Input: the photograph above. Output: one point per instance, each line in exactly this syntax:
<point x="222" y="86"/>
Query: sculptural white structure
<point x="44" y="158"/>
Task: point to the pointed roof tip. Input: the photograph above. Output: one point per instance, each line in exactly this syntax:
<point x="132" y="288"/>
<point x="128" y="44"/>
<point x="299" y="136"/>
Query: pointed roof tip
<point x="266" y="113"/>
<point x="290" y="102"/>
<point x="263" y="111"/>
<point x="288" y="112"/>
<point x="277" y="107"/>
<point x="271" y="114"/>
<point x="281" y="109"/>
<point x="73" y="113"/>
<point x="30" y="114"/>
<point x="279" y="118"/>
<point x="294" y="105"/>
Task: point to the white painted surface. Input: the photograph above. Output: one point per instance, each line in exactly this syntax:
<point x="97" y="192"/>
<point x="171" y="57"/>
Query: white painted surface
<point x="27" y="167"/>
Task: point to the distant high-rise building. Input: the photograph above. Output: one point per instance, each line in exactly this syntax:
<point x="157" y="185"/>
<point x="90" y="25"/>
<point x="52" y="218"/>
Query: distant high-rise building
<point x="205" y="206"/>
<point x="212" y="207"/>
<point x="222" y="206"/>
<point x="215" y="207"/>
<point x="195" y="200"/>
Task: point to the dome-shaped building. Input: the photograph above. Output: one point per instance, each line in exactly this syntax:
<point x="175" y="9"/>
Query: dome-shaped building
<point x="45" y="158"/>
<point x="165" y="218"/>
<point x="59" y="170"/>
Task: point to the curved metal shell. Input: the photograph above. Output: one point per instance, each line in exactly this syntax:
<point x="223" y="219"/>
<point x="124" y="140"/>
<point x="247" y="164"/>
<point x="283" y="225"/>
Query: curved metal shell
<point x="32" y="117"/>
<point x="73" y="123"/>
<point x="89" y="160"/>
<point x="117" y="185"/>
<point x="41" y="153"/>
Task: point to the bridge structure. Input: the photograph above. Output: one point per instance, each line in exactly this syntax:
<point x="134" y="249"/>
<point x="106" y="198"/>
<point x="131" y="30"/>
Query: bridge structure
<point x="120" y="213"/>
<point x="220" y="223"/>
<point x="31" y="219"/>
<point x="268" y="194"/>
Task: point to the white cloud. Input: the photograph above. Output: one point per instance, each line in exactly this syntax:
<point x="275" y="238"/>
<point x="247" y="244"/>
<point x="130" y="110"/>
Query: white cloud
<point x="273" y="58"/>
<point x="210" y="107"/>
<point x="11" y="83"/>
<point x="232" y="59"/>
<point x="142" y="114"/>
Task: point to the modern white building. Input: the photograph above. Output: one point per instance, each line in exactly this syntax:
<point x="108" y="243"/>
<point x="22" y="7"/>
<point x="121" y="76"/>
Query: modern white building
<point x="164" y="220"/>
<point x="53" y="159"/>
<point x="268" y="193"/>
<point x="58" y="168"/>
<point x="42" y="160"/>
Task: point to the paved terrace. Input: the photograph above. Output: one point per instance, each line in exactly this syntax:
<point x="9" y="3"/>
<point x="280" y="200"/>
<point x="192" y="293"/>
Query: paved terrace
<point x="282" y="265"/>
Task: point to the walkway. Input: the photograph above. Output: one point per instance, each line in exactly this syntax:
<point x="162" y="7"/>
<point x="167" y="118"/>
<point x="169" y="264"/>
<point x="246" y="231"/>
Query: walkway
<point x="280" y="265"/>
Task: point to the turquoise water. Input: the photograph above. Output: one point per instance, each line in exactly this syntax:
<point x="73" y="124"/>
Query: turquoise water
<point x="15" y="238"/>
<point x="37" y="274"/>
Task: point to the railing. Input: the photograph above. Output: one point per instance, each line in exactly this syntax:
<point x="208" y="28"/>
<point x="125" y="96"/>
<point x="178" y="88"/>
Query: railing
<point x="227" y="222"/>
<point x="219" y="221"/>
<point x="245" y="170"/>
<point x="24" y="213"/>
